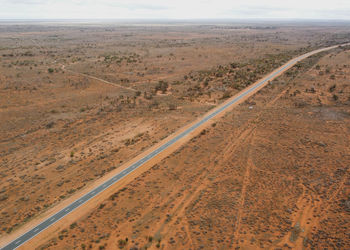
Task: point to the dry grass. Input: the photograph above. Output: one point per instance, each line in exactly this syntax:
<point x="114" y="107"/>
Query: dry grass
<point x="61" y="130"/>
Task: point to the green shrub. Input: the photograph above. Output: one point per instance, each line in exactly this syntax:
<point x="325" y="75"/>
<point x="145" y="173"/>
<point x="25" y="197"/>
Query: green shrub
<point x="162" y="86"/>
<point x="72" y="226"/>
<point x="122" y="243"/>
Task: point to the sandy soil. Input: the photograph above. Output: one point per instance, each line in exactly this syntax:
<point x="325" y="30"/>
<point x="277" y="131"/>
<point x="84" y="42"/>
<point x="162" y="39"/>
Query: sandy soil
<point x="267" y="177"/>
<point x="62" y="131"/>
<point x="273" y="176"/>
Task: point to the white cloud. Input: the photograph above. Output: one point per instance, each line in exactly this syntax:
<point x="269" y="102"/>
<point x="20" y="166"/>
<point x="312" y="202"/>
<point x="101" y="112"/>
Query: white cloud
<point x="178" y="9"/>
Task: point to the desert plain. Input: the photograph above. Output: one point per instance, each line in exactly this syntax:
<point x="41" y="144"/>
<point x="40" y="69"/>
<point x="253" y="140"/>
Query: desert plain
<point x="77" y="100"/>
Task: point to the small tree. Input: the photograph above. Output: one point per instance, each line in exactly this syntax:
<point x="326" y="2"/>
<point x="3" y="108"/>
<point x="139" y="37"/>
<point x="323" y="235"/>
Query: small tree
<point x="226" y="95"/>
<point x="332" y="88"/>
<point x="162" y="86"/>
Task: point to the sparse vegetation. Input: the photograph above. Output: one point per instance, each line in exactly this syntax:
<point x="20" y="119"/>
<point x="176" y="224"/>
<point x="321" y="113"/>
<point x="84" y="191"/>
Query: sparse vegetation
<point x="122" y="243"/>
<point x="162" y="86"/>
<point x="50" y="107"/>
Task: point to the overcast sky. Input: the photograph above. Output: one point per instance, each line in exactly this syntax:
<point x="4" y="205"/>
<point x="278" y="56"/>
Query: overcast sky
<point x="174" y="9"/>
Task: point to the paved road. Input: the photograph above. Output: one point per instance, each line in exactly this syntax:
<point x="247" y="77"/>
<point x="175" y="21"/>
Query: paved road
<point x="77" y="203"/>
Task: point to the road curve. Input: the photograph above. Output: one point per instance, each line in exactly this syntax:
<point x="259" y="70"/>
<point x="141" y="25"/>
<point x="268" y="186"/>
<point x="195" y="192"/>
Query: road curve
<point x="162" y="146"/>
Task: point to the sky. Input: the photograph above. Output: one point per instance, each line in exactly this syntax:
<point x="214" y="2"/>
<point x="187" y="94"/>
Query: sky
<point x="174" y="9"/>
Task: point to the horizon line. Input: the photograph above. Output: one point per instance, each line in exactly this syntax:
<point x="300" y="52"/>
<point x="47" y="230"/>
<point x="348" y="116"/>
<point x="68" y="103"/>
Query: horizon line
<point x="175" y="19"/>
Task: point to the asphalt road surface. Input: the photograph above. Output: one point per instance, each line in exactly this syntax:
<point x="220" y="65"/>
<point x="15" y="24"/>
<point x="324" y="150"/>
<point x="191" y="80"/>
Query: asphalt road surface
<point x="79" y="202"/>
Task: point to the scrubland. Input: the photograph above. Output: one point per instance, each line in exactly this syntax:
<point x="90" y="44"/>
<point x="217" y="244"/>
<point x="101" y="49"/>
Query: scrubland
<point x="76" y="101"/>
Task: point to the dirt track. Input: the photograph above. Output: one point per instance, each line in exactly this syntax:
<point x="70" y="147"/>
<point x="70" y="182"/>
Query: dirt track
<point x="81" y="211"/>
